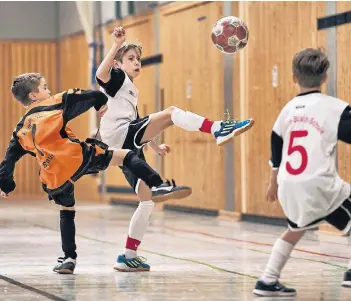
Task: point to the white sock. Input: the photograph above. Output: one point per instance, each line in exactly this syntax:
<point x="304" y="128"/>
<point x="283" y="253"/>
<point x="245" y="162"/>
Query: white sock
<point x="190" y="121"/>
<point x="280" y="254"/>
<point x="137" y="227"/>
<point x="215" y="126"/>
<point x="187" y="120"/>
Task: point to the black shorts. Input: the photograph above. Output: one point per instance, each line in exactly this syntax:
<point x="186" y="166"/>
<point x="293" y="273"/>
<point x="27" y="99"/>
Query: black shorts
<point x="96" y="157"/>
<point x="340" y="219"/>
<point x="135" y="133"/>
<point x="133" y="142"/>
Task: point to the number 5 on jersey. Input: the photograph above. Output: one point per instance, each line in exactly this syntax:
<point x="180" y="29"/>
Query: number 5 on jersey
<point x="299" y="149"/>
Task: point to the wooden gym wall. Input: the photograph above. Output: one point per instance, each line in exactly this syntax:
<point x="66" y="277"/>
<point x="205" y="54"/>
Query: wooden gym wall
<point x="17" y="57"/>
<point x="277" y="31"/>
<point x="192" y="78"/>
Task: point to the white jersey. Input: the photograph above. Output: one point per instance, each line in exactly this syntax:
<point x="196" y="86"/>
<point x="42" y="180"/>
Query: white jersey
<point x="309" y="185"/>
<point x="122" y="108"/>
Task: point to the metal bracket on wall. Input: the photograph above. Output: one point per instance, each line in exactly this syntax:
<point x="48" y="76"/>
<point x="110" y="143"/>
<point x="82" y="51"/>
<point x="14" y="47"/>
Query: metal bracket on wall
<point x="334" y="20"/>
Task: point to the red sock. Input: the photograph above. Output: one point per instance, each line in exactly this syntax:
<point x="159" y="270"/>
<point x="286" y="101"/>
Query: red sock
<point x="132" y="244"/>
<point x="206" y="126"/>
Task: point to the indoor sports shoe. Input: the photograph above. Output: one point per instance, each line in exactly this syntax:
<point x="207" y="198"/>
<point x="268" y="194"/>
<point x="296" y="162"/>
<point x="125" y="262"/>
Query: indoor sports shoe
<point x="347" y="279"/>
<point x="136" y="264"/>
<point x="169" y="190"/>
<point x="231" y="128"/>
<point x="65" y="265"/>
<point x="273" y="290"/>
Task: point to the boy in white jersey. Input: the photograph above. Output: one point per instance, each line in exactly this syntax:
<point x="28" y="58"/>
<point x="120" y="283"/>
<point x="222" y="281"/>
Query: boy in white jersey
<point x="122" y="127"/>
<point x="304" y="176"/>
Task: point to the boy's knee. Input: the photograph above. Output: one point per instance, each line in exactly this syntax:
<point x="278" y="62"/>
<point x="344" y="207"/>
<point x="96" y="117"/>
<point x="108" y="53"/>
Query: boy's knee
<point x="67" y="214"/>
<point x="68" y="208"/>
<point x="119" y="156"/>
<point x="171" y="109"/>
<point x="66" y="200"/>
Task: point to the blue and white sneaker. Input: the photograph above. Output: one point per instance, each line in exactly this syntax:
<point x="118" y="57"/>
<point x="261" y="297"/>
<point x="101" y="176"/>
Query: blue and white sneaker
<point x="273" y="290"/>
<point x="232" y="128"/>
<point x="136" y="264"/>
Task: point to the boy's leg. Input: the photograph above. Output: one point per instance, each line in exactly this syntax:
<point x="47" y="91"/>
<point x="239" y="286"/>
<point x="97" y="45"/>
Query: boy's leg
<point x="141" y="170"/>
<point x="129" y="261"/>
<point x="67" y="264"/>
<point x="139" y="167"/>
<point x="269" y="285"/>
<point x="140" y="220"/>
<point x="145" y="181"/>
<point x="341" y="219"/>
<point x="222" y="131"/>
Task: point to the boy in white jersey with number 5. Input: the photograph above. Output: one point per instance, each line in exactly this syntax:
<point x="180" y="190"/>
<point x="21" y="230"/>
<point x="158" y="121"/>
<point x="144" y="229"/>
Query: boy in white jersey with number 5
<point x="122" y="127"/>
<point x="304" y="175"/>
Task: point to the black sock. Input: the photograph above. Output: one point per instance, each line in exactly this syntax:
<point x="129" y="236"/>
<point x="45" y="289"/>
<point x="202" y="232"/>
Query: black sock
<point x="68" y="233"/>
<point x="142" y="170"/>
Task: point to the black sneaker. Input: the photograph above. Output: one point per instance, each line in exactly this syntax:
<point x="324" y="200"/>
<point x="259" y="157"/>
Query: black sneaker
<point x="65" y="265"/>
<point x="347" y="279"/>
<point x="276" y="289"/>
<point x="169" y="190"/>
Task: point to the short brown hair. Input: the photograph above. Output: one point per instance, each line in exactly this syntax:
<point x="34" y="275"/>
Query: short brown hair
<point x="23" y="85"/>
<point x="310" y="67"/>
<point x="126" y="47"/>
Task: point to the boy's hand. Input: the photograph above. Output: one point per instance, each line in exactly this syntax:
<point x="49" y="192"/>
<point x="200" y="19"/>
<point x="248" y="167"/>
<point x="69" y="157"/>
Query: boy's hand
<point x="272" y="192"/>
<point x="3" y="194"/>
<point x="163" y="150"/>
<point x="102" y="110"/>
<point x="119" y="35"/>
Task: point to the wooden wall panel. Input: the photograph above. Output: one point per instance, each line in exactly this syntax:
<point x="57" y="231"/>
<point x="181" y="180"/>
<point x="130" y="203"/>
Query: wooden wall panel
<point x="74" y="73"/>
<point x="192" y="62"/>
<point x="17" y="58"/>
<point x="277" y="31"/>
<point x="139" y="29"/>
<point x="344" y="84"/>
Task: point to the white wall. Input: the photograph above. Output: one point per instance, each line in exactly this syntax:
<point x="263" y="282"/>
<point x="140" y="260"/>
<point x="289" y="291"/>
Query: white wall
<point x="52" y="19"/>
<point x="28" y="20"/>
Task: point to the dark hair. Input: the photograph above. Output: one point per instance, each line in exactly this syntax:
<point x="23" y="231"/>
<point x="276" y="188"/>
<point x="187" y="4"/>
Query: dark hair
<point x="25" y="84"/>
<point x="310" y="67"/>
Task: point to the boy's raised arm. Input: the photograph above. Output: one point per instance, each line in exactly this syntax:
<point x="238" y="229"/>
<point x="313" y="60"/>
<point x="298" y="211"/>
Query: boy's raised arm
<point x="103" y="72"/>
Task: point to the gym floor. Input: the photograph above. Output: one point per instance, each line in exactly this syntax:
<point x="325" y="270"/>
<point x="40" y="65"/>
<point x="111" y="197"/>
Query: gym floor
<point x="192" y="257"/>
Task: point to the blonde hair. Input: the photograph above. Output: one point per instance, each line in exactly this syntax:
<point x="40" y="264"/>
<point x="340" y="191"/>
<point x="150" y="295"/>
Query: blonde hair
<point x="126" y="47"/>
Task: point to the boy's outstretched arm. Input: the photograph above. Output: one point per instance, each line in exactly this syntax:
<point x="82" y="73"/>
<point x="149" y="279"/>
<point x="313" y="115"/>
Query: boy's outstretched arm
<point x="103" y="72"/>
<point x="14" y="152"/>
<point x="76" y="102"/>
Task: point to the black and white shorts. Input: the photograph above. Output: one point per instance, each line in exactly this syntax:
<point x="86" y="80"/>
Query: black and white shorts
<point x="132" y="141"/>
<point x="136" y="130"/>
<point x="340" y="219"/>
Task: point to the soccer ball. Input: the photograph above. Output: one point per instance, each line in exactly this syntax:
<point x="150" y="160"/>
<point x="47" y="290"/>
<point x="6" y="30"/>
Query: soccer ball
<point x="230" y="34"/>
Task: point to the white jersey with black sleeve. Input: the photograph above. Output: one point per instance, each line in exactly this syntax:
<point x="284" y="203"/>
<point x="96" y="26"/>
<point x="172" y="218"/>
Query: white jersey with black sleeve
<point x="304" y="140"/>
<point x="122" y="107"/>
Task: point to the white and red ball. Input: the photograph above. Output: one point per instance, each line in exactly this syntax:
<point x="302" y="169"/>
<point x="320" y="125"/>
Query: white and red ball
<point x="230" y="34"/>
